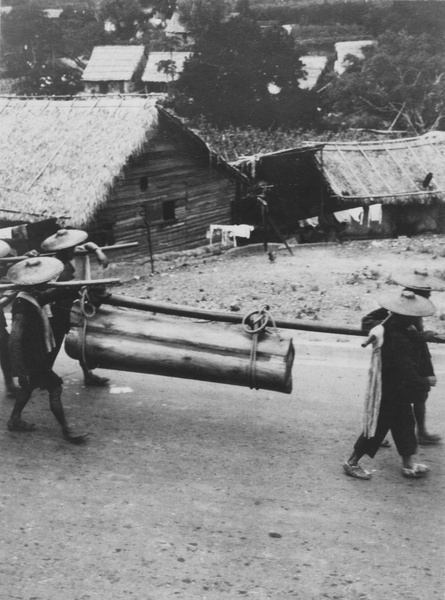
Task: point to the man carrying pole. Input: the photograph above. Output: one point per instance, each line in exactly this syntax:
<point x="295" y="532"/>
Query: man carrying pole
<point x="32" y="342"/>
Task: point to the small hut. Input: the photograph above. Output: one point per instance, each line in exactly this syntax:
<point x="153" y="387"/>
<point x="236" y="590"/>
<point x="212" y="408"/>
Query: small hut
<point x="175" y="29"/>
<point x="114" y="70"/>
<point x="111" y="165"/>
<point x="162" y="68"/>
<point x="406" y="176"/>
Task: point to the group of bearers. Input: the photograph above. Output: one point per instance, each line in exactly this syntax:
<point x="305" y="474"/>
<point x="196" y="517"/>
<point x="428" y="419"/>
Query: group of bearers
<point x="40" y="321"/>
<point x="400" y="377"/>
<point x="401" y="373"/>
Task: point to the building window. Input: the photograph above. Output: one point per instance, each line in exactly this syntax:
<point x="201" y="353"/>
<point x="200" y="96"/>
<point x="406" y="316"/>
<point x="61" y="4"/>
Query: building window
<point x="143" y="184"/>
<point x="168" y="210"/>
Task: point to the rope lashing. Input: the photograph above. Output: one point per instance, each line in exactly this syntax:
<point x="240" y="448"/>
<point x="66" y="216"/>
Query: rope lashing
<point x="87" y="310"/>
<point x="254" y="323"/>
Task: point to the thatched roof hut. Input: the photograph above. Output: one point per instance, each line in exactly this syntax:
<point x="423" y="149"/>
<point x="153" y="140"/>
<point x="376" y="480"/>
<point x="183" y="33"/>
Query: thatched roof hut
<point x="61" y="158"/>
<point x="323" y="178"/>
<point x="113" y="63"/>
<point x="391" y="172"/>
<point x="113" y="166"/>
<point x="152" y="74"/>
<point x="115" y="69"/>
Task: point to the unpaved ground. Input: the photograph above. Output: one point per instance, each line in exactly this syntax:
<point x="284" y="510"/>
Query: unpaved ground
<point x="197" y="491"/>
<point x="330" y="283"/>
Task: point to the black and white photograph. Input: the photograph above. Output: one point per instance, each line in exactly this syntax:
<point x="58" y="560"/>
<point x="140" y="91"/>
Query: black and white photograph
<point x="222" y="299"/>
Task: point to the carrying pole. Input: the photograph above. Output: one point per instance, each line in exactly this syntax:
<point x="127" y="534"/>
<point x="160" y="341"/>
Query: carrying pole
<point x="228" y="317"/>
<point x="225" y="317"/>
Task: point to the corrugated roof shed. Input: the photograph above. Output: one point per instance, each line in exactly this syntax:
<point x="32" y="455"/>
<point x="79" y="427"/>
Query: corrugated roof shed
<point x="60" y="158"/>
<point x="113" y="63"/>
<point x="151" y="72"/>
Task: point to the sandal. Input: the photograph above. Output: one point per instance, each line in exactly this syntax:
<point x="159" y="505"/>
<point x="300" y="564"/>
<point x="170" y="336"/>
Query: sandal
<point x="356" y="471"/>
<point x="20" y="425"/>
<point x="93" y="380"/>
<point x="74" y="438"/>
<point x="417" y="471"/>
<point x="428" y="439"/>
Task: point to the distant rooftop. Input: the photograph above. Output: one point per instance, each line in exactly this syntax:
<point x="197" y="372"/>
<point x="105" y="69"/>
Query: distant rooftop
<point x="152" y="73"/>
<point x="113" y="63"/>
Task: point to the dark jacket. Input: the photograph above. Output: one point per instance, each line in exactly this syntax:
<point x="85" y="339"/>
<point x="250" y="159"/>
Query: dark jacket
<point x="28" y="353"/>
<point x="406" y="364"/>
<point x="425" y="362"/>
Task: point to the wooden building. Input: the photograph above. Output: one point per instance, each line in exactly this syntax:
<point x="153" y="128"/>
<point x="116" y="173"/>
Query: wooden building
<point x="114" y="70"/>
<point x="406" y="176"/>
<point x="156" y="77"/>
<point x="108" y="165"/>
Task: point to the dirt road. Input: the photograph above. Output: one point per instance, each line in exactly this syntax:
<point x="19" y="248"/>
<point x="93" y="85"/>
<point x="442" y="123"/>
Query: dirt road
<point x="197" y="491"/>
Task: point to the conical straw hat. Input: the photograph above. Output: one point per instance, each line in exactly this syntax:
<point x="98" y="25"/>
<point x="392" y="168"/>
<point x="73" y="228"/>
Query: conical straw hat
<point x="407" y="303"/>
<point x="5" y="249"/>
<point x="32" y="271"/>
<point x="64" y="238"/>
<point x="419" y="279"/>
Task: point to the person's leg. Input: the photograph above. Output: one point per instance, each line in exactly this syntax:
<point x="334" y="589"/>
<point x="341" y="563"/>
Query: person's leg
<point x="55" y="402"/>
<point x="403" y="432"/>
<point x="423" y="436"/>
<point x="15" y="422"/>
<point x="5" y="362"/>
<point x="91" y="379"/>
<point x="367" y="446"/>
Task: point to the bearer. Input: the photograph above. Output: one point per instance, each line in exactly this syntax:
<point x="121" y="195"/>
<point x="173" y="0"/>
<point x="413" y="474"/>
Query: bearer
<point x="64" y="244"/>
<point x="32" y="341"/>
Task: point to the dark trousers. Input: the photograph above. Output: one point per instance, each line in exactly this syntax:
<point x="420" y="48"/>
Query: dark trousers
<point x="400" y="421"/>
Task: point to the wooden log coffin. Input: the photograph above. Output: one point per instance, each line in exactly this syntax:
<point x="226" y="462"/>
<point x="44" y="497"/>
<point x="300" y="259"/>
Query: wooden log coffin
<point x="129" y="340"/>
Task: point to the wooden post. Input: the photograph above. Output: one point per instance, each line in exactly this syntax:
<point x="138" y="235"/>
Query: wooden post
<point x="147" y="225"/>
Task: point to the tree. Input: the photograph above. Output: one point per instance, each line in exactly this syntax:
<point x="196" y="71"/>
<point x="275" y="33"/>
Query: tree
<point x="200" y="16"/>
<point x="401" y="82"/>
<point x="32" y="45"/>
<point x="230" y="73"/>
<point x="124" y="16"/>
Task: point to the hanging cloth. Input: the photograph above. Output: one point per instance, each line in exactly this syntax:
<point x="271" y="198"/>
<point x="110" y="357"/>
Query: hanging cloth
<point x="373" y="394"/>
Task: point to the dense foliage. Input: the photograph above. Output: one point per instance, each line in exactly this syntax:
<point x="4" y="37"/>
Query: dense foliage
<point x="400" y="84"/>
<point x="229" y="78"/>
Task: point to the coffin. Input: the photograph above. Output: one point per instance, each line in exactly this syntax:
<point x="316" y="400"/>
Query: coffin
<point x="131" y="340"/>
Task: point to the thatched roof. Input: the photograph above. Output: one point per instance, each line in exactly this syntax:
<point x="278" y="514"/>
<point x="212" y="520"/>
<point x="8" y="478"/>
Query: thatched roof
<point x="390" y="171"/>
<point x="60" y="158"/>
<point x="151" y="72"/>
<point x="113" y="63"/>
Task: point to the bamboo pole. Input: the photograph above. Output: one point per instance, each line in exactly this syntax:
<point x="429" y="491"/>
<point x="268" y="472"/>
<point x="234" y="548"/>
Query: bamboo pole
<point x="79" y="252"/>
<point x="62" y="284"/>
<point x="228" y="317"/>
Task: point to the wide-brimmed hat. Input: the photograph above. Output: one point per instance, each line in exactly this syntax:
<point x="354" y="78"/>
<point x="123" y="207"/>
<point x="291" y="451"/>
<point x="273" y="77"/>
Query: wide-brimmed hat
<point x="419" y="279"/>
<point x="64" y="238"/>
<point x="5" y="249"/>
<point x="32" y="271"/>
<point x="407" y="303"/>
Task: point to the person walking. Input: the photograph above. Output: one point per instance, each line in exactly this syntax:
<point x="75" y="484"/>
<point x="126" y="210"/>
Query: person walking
<point x="402" y="376"/>
<point x="5" y="363"/>
<point x="31" y="342"/>
<point x="64" y="243"/>
<point x="421" y="283"/>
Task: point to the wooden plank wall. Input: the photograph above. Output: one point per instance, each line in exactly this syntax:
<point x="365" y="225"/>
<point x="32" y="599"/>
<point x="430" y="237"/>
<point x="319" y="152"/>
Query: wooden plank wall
<point x="176" y="168"/>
